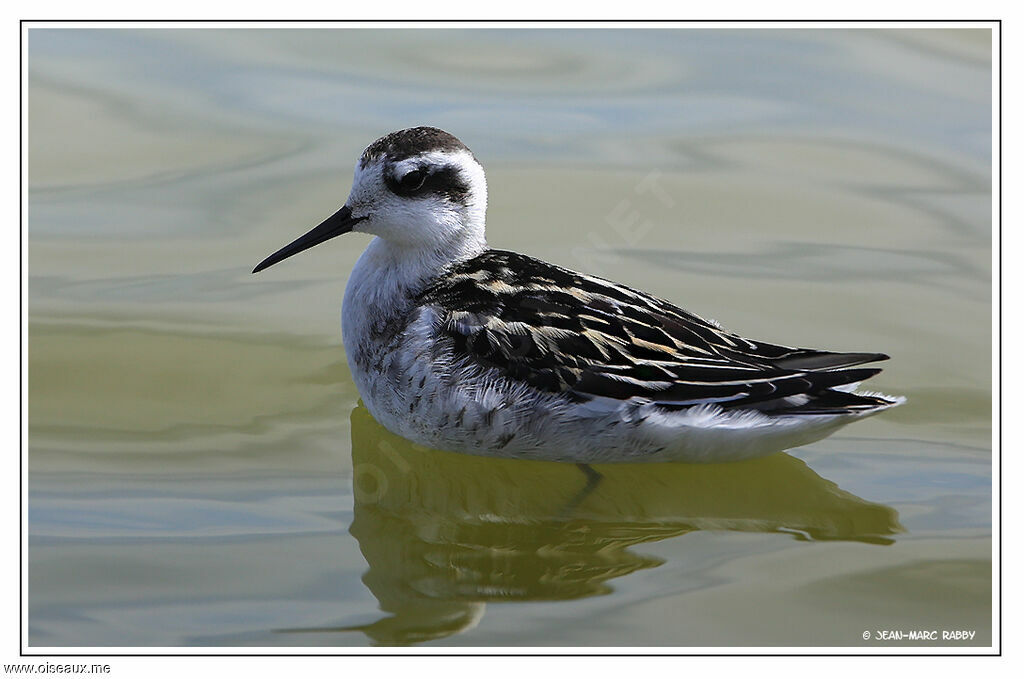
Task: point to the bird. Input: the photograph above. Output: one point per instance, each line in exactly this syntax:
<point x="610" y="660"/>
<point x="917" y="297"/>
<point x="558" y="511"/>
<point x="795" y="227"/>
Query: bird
<point x="457" y="346"/>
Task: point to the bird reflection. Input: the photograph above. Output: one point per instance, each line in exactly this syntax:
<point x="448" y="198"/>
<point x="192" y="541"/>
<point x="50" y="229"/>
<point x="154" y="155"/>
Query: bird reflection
<point x="445" y="533"/>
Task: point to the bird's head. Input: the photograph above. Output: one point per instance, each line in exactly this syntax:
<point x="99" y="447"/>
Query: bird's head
<point x="419" y="188"/>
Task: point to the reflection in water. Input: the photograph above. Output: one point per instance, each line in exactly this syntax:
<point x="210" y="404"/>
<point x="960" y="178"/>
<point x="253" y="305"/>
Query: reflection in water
<point x="444" y="533"/>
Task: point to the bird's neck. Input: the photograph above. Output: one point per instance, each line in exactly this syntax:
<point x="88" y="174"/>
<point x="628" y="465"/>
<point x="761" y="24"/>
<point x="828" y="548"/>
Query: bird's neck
<point x="386" y="280"/>
<point x="398" y="269"/>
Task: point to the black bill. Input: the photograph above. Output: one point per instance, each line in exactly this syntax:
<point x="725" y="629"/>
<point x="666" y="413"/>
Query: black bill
<point x="340" y="222"/>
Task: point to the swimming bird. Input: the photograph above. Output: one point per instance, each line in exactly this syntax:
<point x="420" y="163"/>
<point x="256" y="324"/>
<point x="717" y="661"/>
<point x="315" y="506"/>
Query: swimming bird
<point x="457" y="346"/>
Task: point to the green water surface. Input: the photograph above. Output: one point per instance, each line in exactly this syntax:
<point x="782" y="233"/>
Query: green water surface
<point x="201" y="473"/>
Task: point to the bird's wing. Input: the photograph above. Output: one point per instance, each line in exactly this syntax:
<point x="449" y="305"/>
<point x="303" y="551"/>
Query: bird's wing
<point x="561" y="331"/>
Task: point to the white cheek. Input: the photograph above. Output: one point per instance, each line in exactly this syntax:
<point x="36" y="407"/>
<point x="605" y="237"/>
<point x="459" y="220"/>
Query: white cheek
<point x="427" y="221"/>
<point x="419" y="221"/>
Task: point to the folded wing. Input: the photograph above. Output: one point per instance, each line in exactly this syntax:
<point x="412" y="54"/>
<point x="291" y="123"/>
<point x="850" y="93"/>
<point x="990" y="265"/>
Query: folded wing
<point x="585" y="337"/>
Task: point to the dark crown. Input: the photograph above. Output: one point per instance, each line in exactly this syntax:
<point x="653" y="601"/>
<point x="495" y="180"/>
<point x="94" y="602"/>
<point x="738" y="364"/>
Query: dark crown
<point x="411" y="142"/>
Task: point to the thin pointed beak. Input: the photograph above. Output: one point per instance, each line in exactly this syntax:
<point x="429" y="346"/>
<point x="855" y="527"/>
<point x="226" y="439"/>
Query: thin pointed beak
<point x="340" y="222"/>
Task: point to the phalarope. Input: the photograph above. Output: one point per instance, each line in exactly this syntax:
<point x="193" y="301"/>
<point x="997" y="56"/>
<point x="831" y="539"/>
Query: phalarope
<point x="456" y="346"/>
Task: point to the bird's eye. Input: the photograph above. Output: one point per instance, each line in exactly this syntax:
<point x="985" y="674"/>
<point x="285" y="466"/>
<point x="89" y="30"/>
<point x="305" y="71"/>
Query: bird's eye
<point x="412" y="181"/>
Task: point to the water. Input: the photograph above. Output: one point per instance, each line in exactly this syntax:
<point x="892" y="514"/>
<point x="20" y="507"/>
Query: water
<point x="201" y="473"/>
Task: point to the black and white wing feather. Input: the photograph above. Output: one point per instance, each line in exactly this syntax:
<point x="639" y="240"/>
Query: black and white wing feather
<point x="585" y="337"/>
